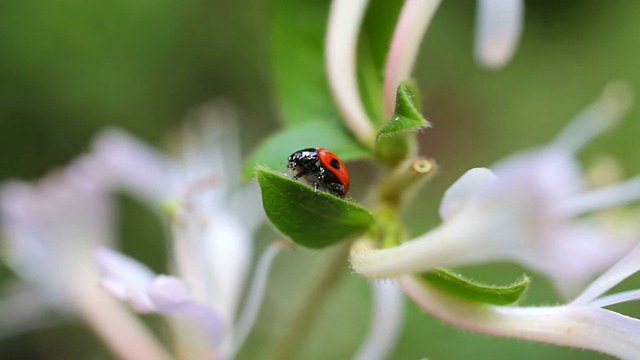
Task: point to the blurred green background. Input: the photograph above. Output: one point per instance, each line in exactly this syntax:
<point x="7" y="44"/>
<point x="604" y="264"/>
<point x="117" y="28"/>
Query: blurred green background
<point x="70" y="68"/>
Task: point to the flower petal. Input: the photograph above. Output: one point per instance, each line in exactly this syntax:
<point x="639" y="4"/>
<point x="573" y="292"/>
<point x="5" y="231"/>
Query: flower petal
<point x="414" y="20"/>
<point x="603" y="198"/>
<point x="467" y="186"/>
<point x="388" y="312"/>
<point x="342" y="35"/>
<point x="572" y="254"/>
<point x="587" y="327"/>
<point x="228" y="250"/>
<point x="627" y="266"/>
<point x="133" y="165"/>
<point x="255" y="294"/>
<point x="171" y="295"/>
<point x="125" y="278"/>
<point x="498" y="30"/>
<point x="614" y="102"/>
<point x="51" y="226"/>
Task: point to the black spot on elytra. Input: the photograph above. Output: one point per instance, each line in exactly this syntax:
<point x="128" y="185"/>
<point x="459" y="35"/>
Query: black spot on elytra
<point x="334" y="163"/>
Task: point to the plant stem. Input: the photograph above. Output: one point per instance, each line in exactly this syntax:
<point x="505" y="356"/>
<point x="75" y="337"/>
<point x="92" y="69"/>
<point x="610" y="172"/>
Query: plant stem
<point x="306" y="313"/>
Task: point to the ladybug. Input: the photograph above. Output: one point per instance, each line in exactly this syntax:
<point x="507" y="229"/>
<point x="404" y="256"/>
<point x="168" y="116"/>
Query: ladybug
<point x="322" y="169"/>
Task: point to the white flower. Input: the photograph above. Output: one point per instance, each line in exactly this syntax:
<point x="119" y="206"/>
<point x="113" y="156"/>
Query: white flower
<point x="212" y="220"/>
<point x="583" y="323"/>
<point x="498" y="29"/>
<point x="50" y="230"/>
<point x="388" y="311"/>
<point x="531" y="208"/>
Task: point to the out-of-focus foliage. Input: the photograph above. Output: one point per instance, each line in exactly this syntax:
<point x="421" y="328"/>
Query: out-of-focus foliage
<point x="69" y="68"/>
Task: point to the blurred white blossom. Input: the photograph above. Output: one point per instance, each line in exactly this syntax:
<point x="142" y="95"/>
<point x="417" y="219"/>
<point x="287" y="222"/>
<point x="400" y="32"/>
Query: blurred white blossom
<point x="50" y="229"/>
<point x="212" y="219"/>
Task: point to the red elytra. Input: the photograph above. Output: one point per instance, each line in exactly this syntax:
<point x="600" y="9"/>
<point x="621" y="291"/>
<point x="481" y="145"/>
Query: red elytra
<point x="320" y="168"/>
<point x="332" y="163"/>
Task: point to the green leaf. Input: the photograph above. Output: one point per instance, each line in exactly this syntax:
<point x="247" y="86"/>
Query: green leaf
<point x="314" y="220"/>
<point x="406" y="115"/>
<point x="297" y="54"/>
<point x="470" y="290"/>
<point x="275" y="150"/>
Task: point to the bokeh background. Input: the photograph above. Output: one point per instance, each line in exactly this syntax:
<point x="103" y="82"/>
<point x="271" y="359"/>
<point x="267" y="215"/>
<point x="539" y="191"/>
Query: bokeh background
<point x="69" y="68"/>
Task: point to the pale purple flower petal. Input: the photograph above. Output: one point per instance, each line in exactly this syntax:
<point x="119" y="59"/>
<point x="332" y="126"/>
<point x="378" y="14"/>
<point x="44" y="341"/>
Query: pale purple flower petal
<point x="612" y="105"/>
<point x="586" y="326"/>
<point x="464" y="189"/>
<point x="603" y="198"/>
<point x="125" y="278"/>
<point x="133" y="282"/>
<point x="229" y="249"/>
<point x="498" y="30"/>
<point x="624" y="268"/>
<point x="625" y="296"/>
<point x="388" y="312"/>
<point x="255" y="294"/>
<point x="133" y="166"/>
<point x="51" y="228"/>
<point x="171" y="295"/>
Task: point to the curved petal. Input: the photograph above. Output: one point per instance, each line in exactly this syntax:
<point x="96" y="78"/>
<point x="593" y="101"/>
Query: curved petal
<point x="171" y="295"/>
<point x="498" y="30"/>
<point x="51" y="227"/>
<point x="414" y="20"/>
<point x="213" y="253"/>
<point x="255" y="294"/>
<point x="133" y="165"/>
<point x="119" y="328"/>
<point x="603" y="198"/>
<point x="624" y="268"/>
<point x="614" y="102"/>
<point x="573" y="254"/>
<point x="631" y="295"/>
<point x="388" y="312"/>
<point x="125" y="278"/>
<point x="586" y="327"/>
<point x="553" y="175"/>
<point x="342" y="35"/>
<point x="467" y="186"/>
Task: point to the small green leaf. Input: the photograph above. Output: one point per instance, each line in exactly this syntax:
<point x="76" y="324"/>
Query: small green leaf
<point x="311" y="219"/>
<point x="470" y="290"/>
<point x="275" y="150"/>
<point x="406" y="115"/>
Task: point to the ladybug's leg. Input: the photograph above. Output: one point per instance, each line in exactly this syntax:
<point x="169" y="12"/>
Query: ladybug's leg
<point x="300" y="174"/>
<point x="336" y="189"/>
<point x="318" y="172"/>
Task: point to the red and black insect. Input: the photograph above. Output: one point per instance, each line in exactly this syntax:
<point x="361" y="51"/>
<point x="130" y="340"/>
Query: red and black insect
<point x="322" y="169"/>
